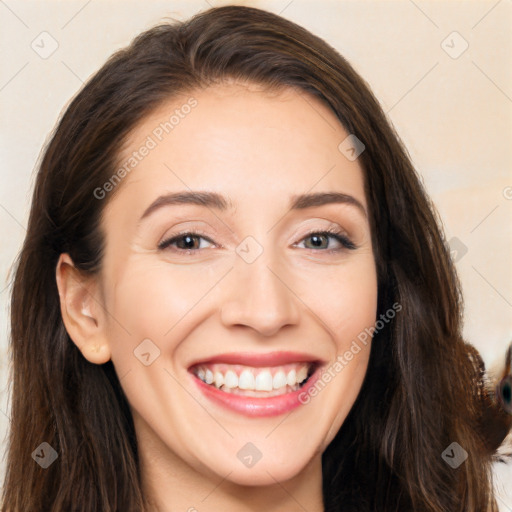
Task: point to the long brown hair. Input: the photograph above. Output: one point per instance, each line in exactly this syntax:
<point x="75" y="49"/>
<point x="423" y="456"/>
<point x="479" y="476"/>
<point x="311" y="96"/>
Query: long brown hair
<point x="417" y="397"/>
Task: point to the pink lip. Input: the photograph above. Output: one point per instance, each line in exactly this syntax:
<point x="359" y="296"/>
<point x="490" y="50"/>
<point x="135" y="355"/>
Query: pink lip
<point x="260" y="359"/>
<point x="257" y="406"/>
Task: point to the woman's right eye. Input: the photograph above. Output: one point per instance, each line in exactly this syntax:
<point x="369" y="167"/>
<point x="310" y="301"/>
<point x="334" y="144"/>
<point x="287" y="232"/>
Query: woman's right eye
<point x="187" y="242"/>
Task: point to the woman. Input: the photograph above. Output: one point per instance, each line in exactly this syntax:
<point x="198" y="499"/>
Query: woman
<point x="234" y="293"/>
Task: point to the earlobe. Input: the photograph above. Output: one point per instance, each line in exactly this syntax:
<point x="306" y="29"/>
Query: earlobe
<point x="82" y="312"/>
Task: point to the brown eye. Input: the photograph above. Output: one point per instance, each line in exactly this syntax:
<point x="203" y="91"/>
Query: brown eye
<point x="184" y="242"/>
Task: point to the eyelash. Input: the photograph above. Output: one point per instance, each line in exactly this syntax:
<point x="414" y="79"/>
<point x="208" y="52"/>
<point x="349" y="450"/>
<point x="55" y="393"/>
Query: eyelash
<point x="346" y="243"/>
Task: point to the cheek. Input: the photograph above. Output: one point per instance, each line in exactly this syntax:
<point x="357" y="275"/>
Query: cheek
<point x="345" y="299"/>
<point x="347" y="305"/>
<point x="150" y="298"/>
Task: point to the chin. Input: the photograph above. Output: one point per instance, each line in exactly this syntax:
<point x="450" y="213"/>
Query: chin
<point x="267" y="474"/>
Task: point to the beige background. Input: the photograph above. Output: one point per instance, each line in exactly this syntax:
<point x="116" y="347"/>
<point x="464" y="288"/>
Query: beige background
<point x="452" y="107"/>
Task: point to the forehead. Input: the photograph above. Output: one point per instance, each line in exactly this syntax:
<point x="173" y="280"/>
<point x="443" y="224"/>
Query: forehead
<point x="239" y="139"/>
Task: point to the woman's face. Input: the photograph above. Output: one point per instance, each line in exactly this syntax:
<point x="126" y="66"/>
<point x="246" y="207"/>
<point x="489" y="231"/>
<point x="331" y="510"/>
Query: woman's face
<point x="243" y="288"/>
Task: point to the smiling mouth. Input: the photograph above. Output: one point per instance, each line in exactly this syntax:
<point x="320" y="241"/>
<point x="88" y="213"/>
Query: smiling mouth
<point x="264" y="382"/>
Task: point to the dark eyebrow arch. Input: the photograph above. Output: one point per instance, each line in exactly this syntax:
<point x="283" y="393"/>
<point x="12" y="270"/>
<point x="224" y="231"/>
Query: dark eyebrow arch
<point x="208" y="199"/>
<point x="219" y="202"/>
<point x="303" y="201"/>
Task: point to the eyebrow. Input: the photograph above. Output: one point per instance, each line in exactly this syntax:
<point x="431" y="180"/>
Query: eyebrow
<point x="221" y="203"/>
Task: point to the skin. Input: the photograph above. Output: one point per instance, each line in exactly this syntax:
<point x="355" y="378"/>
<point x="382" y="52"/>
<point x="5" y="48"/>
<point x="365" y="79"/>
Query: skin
<point x="258" y="149"/>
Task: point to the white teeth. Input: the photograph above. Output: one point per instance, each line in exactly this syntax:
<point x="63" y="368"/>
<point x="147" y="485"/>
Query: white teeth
<point x="279" y="380"/>
<point x="302" y="374"/>
<point x="246" y="380"/>
<point x="263" y="381"/>
<point x="219" y="379"/>
<point x="231" y="379"/>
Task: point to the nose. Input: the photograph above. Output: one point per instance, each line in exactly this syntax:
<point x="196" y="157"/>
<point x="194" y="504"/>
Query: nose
<point x="259" y="296"/>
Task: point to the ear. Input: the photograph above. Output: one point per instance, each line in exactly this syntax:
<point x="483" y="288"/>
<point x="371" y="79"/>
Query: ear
<point x="82" y="310"/>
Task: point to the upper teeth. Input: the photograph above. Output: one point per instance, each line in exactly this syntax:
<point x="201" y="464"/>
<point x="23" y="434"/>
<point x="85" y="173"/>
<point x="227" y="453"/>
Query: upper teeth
<point x="258" y="379"/>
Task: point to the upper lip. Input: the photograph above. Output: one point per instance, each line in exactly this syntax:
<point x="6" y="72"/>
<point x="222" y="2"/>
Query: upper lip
<point x="260" y="359"/>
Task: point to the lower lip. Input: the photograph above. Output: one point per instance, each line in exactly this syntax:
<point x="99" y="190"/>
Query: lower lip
<point x="258" y="406"/>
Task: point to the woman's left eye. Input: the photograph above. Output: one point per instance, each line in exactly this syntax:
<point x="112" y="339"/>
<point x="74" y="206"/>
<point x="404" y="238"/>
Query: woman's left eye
<point x="320" y="240"/>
